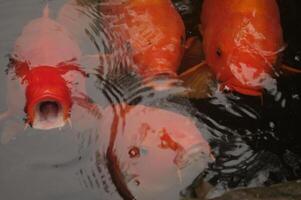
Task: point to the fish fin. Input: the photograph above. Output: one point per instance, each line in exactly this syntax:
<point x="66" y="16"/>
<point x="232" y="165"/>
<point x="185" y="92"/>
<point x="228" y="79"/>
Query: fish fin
<point x="20" y="68"/>
<point x="10" y="132"/>
<point x="242" y="90"/>
<point x="193" y="54"/>
<point x="69" y="122"/>
<point x="5" y="115"/>
<point x="179" y="174"/>
<point x="87" y="103"/>
<point x="95" y="62"/>
<point x="27" y="125"/>
<point x="189" y="42"/>
<point x="46" y="11"/>
<point x="65" y="68"/>
<point x="199" y="80"/>
<point x="289" y="69"/>
<point x="211" y="158"/>
<point x="202" y="189"/>
<point x="200" y="29"/>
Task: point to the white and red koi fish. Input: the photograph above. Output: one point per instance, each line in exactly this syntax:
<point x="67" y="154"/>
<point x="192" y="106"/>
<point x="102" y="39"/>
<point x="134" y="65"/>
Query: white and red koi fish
<point x="151" y="153"/>
<point x="44" y="62"/>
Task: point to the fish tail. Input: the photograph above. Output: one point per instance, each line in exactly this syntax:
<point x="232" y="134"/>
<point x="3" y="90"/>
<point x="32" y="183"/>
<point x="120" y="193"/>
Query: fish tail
<point x="46" y="11"/>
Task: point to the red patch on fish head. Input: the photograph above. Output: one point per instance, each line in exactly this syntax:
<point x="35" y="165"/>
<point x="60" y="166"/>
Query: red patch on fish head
<point x="167" y="142"/>
<point x="45" y="84"/>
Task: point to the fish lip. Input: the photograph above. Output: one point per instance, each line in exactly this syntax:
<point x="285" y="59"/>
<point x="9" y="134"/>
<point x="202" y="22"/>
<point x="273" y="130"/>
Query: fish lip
<point x="48" y="112"/>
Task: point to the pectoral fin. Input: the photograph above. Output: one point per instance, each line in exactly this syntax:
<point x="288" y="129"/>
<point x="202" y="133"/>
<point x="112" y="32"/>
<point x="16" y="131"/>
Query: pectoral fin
<point x="88" y="104"/>
<point x="20" y="68"/>
<point x="10" y="131"/>
<point x="193" y="54"/>
<point x="95" y="63"/>
<point x="4" y="115"/>
<point x="203" y="189"/>
<point x="66" y="67"/>
<point x="289" y="69"/>
<point x="199" y="79"/>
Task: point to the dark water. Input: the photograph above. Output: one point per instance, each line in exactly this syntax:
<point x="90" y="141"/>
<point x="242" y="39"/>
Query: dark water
<point x="254" y="141"/>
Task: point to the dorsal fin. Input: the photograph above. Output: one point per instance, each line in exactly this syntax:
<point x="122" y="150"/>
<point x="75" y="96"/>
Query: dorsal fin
<point x="46" y="11"/>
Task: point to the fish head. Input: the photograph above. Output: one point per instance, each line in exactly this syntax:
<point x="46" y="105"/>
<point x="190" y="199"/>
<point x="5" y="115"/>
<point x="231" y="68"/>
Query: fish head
<point x="160" y="152"/>
<point x="48" y="98"/>
<point x="242" y="49"/>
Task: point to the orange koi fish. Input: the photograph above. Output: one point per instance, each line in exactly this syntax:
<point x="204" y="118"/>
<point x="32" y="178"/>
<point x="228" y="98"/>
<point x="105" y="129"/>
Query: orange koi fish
<point x="241" y="42"/>
<point x="154" y="31"/>
<point x="44" y="62"/>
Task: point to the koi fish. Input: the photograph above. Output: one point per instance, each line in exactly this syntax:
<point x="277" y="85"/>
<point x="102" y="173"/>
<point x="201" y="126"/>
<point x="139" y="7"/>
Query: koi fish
<point x="241" y="42"/>
<point x="150" y="153"/>
<point x="154" y="31"/>
<point x="156" y="35"/>
<point x="44" y="62"/>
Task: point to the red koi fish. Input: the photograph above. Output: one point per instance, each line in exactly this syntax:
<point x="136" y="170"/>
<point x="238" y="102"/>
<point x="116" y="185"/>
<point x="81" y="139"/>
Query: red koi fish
<point x="154" y="31"/>
<point x="44" y="61"/>
<point x="241" y="42"/>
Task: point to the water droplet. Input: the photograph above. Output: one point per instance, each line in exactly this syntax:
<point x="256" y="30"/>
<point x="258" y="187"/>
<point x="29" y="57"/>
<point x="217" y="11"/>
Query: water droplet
<point x="297" y="58"/>
<point x="272" y="125"/>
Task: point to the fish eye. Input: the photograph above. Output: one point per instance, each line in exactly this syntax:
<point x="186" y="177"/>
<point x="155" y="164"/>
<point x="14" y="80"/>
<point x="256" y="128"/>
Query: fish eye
<point x="134" y="152"/>
<point x="218" y="52"/>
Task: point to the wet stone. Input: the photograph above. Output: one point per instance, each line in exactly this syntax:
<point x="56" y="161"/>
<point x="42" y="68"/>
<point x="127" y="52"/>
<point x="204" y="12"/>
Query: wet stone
<point x="284" y="191"/>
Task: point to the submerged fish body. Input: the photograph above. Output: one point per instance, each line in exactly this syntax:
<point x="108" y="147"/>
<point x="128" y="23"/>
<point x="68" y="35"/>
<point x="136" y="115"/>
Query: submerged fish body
<point x="151" y="153"/>
<point x="44" y="62"/>
<point x="154" y="31"/>
<point x="241" y="42"/>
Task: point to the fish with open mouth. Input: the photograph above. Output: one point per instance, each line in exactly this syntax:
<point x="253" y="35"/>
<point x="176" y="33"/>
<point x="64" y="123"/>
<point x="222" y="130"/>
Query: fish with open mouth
<point x="44" y="64"/>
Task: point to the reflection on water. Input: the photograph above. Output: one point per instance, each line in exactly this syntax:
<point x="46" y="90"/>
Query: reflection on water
<point x="139" y="137"/>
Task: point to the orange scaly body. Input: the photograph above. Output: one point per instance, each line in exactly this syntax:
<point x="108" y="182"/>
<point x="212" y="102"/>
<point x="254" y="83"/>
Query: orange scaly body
<point x="242" y="39"/>
<point x="155" y="32"/>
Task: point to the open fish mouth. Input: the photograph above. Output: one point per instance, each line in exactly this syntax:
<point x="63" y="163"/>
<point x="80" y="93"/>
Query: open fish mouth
<point x="48" y="99"/>
<point x="49" y="114"/>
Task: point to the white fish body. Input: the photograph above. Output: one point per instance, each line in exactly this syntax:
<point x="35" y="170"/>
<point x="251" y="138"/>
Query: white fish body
<point x="151" y="169"/>
<point x="46" y="42"/>
<point x="43" y="42"/>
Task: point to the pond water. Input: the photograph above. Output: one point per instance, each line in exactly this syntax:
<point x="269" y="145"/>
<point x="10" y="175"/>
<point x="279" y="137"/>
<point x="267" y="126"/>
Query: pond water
<point x="106" y="152"/>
